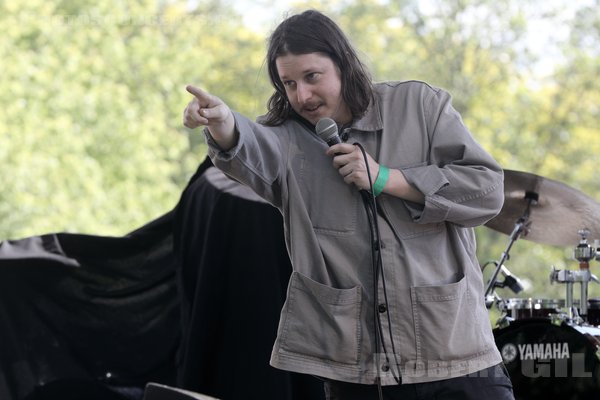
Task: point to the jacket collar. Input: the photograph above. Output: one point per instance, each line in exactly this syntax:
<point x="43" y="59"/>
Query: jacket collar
<point x="372" y="120"/>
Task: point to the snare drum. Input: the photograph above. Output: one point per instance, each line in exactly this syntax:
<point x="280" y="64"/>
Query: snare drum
<point x="531" y="308"/>
<point x="545" y="360"/>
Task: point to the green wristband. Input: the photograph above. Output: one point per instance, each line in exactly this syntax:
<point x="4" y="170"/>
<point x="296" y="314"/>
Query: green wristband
<point x="382" y="178"/>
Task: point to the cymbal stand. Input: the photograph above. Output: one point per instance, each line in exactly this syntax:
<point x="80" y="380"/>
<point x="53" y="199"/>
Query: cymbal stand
<point x="493" y="298"/>
<point x="583" y="253"/>
<point x="521" y="227"/>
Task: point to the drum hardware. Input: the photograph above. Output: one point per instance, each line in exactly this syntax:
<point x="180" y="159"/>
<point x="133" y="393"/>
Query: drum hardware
<point x="583" y="253"/>
<point x="583" y="277"/>
<point x="526" y="308"/>
<point x="521" y="227"/>
<point x="504" y="321"/>
<point x="511" y="281"/>
<point x="593" y="317"/>
<point x="550" y="212"/>
<point x="558" y="318"/>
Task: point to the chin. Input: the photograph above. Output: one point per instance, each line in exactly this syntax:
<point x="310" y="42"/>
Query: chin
<point x="316" y="118"/>
<point x="313" y="120"/>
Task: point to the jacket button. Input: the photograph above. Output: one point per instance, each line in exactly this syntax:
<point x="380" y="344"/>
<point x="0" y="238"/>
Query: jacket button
<point x="382" y="308"/>
<point x="385" y="367"/>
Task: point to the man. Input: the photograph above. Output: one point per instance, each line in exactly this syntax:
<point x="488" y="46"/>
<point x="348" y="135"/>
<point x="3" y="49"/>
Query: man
<point x="382" y="301"/>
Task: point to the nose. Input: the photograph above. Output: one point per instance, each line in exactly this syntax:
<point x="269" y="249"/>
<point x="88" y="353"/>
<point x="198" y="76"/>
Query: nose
<point x="303" y="93"/>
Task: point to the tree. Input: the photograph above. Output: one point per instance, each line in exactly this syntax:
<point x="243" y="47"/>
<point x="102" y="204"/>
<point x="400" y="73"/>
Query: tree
<point x="91" y="101"/>
<point x="90" y="124"/>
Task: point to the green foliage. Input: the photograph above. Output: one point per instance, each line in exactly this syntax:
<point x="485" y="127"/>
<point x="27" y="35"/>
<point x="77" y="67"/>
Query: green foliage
<point x="90" y="124"/>
<point x="92" y="94"/>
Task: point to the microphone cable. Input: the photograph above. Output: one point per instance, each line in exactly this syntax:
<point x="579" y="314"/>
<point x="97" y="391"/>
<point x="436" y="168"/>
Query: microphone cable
<point x="370" y="204"/>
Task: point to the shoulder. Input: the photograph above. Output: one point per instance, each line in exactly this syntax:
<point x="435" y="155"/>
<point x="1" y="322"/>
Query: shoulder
<point x="423" y="95"/>
<point x="284" y="132"/>
<point x="411" y="87"/>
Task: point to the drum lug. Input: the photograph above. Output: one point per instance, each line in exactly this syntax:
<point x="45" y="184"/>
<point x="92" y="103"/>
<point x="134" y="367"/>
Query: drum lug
<point x="504" y="321"/>
<point x="557" y="318"/>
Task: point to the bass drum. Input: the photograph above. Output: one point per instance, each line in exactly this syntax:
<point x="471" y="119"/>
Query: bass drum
<point x="593" y="316"/>
<point x="545" y="360"/>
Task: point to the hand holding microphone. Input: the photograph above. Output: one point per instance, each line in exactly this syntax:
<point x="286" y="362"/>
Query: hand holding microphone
<point x="347" y="158"/>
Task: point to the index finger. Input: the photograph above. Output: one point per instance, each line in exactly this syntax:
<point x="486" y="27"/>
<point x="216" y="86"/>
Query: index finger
<point x="340" y="148"/>
<point x="197" y="92"/>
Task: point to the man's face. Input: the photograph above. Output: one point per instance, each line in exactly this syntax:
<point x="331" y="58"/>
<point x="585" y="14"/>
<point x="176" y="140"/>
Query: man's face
<point x="313" y="87"/>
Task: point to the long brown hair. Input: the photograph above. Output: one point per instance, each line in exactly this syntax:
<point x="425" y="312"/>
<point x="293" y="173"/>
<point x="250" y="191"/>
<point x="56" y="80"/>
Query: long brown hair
<point x="313" y="32"/>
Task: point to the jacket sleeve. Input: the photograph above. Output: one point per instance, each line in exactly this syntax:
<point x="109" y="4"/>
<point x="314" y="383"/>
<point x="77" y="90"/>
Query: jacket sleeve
<point x="257" y="160"/>
<point x="461" y="182"/>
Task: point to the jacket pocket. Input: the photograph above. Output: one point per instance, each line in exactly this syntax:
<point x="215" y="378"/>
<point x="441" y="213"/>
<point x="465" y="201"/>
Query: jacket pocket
<point x="445" y="325"/>
<point x="332" y="205"/>
<point x="321" y="321"/>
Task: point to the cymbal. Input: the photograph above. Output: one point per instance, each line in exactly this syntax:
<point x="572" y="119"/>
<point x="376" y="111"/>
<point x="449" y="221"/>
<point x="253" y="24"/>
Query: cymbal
<point x="557" y="216"/>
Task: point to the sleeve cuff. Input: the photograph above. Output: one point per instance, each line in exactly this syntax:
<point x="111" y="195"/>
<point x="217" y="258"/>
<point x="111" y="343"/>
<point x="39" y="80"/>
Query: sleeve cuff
<point x="214" y="151"/>
<point x="428" y="180"/>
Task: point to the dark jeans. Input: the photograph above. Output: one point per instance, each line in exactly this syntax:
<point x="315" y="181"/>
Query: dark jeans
<point x="489" y="384"/>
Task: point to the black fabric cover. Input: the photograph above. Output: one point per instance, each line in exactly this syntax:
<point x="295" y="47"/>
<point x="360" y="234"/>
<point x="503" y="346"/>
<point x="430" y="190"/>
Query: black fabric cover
<point x="191" y="299"/>
<point x="109" y="320"/>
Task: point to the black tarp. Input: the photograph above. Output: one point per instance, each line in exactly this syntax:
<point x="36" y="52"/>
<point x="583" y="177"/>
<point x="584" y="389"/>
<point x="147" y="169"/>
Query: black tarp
<point x="191" y="299"/>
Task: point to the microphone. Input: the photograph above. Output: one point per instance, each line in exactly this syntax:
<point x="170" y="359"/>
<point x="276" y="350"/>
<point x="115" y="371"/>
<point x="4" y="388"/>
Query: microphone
<point x="327" y="130"/>
<point x="511" y="280"/>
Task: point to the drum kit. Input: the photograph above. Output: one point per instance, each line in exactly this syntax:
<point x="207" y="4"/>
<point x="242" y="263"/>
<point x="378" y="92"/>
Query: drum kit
<point x="551" y="347"/>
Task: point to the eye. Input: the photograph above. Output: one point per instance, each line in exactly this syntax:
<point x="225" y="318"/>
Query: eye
<point x="313" y="76"/>
<point x="289" y="83"/>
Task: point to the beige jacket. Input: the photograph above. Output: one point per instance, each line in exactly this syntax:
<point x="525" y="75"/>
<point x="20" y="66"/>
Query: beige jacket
<point x="439" y="323"/>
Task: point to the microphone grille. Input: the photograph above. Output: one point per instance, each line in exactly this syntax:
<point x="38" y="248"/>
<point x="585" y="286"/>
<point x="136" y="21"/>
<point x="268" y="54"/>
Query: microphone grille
<point x="326" y="128"/>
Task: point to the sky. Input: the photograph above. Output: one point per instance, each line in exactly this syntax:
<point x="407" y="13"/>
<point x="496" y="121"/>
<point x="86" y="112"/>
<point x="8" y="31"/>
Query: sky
<point x="261" y="15"/>
<point x="542" y="39"/>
